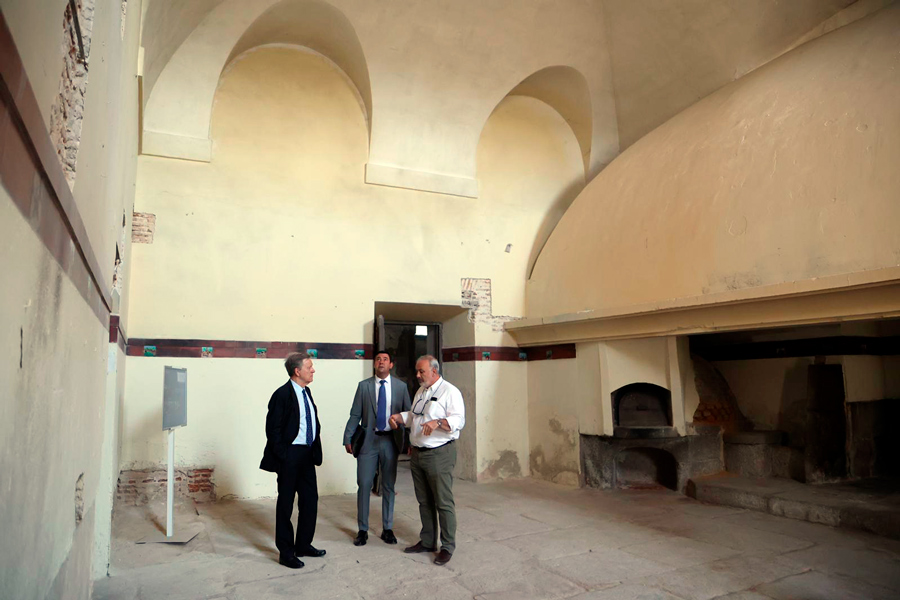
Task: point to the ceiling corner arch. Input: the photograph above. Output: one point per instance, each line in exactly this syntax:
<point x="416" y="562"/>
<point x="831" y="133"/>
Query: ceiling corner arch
<point x="178" y="111"/>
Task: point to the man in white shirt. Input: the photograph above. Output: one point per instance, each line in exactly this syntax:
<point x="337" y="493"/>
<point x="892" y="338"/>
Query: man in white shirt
<point x="435" y="419"/>
<point x="376" y="399"/>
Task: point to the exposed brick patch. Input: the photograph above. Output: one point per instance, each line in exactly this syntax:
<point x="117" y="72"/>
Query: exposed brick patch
<point x="476" y="296"/>
<point x="143" y="226"/>
<point x="137" y="487"/>
<point x="718" y="404"/>
<point x="67" y="112"/>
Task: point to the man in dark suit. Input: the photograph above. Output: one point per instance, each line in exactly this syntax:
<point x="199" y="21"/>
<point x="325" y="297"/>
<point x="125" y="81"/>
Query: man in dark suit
<point x="293" y="451"/>
<point x="376" y="399"/>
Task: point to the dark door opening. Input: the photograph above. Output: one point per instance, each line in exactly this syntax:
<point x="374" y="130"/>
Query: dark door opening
<point x="407" y="341"/>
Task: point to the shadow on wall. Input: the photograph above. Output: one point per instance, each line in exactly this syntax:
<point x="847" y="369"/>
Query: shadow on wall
<point x="558" y="208"/>
<point x="792" y="412"/>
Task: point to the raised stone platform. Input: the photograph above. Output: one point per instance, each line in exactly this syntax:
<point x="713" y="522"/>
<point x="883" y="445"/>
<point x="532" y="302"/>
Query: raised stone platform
<point x="871" y="505"/>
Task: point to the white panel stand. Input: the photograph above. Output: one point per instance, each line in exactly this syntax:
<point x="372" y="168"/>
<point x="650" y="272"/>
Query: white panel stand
<point x="170" y="538"/>
<point x="170" y="486"/>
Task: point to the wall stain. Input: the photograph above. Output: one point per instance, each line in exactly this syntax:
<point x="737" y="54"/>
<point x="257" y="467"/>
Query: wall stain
<point x="507" y="465"/>
<point x="559" y="464"/>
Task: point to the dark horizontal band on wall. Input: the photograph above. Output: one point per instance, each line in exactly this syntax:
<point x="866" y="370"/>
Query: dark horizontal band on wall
<point x="116" y="335"/>
<point x="244" y="349"/>
<point x="196" y="348"/>
<point x="508" y="354"/>
<point x="34" y="179"/>
<point x="824" y="346"/>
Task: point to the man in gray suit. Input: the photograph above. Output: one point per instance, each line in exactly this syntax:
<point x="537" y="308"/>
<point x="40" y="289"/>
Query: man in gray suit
<point x="376" y="399"/>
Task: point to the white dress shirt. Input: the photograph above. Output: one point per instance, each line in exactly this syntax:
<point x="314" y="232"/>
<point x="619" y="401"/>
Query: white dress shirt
<point x="387" y="408"/>
<point x="442" y="400"/>
<point x="301" y="398"/>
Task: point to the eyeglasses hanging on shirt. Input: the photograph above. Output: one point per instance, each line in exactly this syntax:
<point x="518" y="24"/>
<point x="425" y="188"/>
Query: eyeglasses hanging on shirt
<point x="424" y="402"/>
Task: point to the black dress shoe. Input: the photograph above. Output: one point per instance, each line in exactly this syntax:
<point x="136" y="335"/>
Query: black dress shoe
<point x="442" y="558"/>
<point x="313" y="552"/>
<point x="290" y="562"/>
<point x="388" y="536"/>
<point x="361" y="538"/>
<point x="418" y="548"/>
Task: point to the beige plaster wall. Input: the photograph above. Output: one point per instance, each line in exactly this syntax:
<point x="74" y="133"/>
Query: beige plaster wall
<point x="554" y="391"/>
<point x="279" y="238"/>
<point x="227" y="400"/>
<point x="105" y="170"/>
<point x="55" y="424"/>
<point x="869" y="378"/>
<point x="772" y="392"/>
<point x="283" y="208"/>
<point x="427" y="111"/>
<point x="768" y="391"/>
<point x="667" y="55"/>
<point x="785" y="175"/>
<point x="53" y="353"/>
<point x="502" y="419"/>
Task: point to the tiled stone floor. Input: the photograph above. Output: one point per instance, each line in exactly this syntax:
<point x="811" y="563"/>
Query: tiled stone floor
<point x="518" y="539"/>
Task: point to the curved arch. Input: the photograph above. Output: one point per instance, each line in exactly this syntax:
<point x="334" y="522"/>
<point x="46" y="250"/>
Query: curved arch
<point x="315" y="25"/>
<point x="178" y="111"/>
<point x="565" y="90"/>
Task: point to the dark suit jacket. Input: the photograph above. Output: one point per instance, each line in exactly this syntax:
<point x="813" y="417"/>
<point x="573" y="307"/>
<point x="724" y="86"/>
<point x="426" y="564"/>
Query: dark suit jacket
<point x="283" y="425"/>
<point x="365" y="403"/>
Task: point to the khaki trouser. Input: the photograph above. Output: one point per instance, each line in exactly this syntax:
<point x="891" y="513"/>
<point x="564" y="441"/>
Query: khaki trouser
<point x="432" y="472"/>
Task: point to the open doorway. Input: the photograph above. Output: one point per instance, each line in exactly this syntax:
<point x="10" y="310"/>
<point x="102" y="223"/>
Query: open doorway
<point x="408" y="331"/>
<point x="407" y="341"/>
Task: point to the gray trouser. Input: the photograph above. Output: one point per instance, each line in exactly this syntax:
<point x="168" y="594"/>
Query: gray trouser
<point x="432" y="472"/>
<point x="377" y="449"/>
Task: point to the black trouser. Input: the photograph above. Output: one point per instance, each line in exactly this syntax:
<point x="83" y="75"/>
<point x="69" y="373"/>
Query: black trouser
<point x="297" y="476"/>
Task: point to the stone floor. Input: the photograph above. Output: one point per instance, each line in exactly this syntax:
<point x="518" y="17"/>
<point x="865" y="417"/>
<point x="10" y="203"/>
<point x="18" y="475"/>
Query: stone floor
<point x="518" y="539"/>
<point x="870" y="505"/>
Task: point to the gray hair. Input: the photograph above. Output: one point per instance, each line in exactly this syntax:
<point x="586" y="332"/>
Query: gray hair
<point x="431" y="361"/>
<point x="295" y="360"/>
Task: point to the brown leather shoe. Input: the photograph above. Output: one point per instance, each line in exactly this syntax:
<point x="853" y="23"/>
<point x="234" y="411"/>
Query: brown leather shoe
<point x="418" y="548"/>
<point x="442" y="558"/>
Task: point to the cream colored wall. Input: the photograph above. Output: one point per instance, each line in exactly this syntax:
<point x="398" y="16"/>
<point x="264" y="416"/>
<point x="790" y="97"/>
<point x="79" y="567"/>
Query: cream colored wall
<point x="51" y="416"/>
<point x="502" y="416"/>
<point x="553" y="406"/>
<point x="785" y="175"/>
<point x="868" y="378"/>
<point x="427" y="111"/>
<point x="227" y="400"/>
<point x="104" y="183"/>
<point x="54" y="414"/>
<point x="279" y="238"/>
<point x="768" y="389"/>
<point x="462" y="375"/>
<point x="668" y="55"/>
<point x="772" y="392"/>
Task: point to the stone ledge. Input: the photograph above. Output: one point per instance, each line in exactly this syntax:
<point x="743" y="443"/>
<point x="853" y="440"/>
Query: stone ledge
<point x="872" y="506"/>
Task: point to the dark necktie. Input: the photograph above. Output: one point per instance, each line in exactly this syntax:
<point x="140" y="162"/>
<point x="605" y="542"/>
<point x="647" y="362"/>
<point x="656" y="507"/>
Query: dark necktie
<point x="380" y="419"/>
<point x="309" y="422"/>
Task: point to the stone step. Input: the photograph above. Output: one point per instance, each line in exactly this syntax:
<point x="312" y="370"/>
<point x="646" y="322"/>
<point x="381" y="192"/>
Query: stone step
<point x="872" y="506"/>
<point x="764" y="460"/>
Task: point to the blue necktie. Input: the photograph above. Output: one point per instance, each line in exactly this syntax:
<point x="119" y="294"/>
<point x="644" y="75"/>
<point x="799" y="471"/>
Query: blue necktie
<point x="380" y="419"/>
<point x="309" y="423"/>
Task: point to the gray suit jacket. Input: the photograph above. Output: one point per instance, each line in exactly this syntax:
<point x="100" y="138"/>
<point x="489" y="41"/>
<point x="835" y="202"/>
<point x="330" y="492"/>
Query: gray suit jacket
<point x="365" y="401"/>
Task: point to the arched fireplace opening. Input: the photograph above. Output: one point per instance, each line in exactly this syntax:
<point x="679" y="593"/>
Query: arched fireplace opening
<point x="646" y="468"/>
<point x="642" y="405"/>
